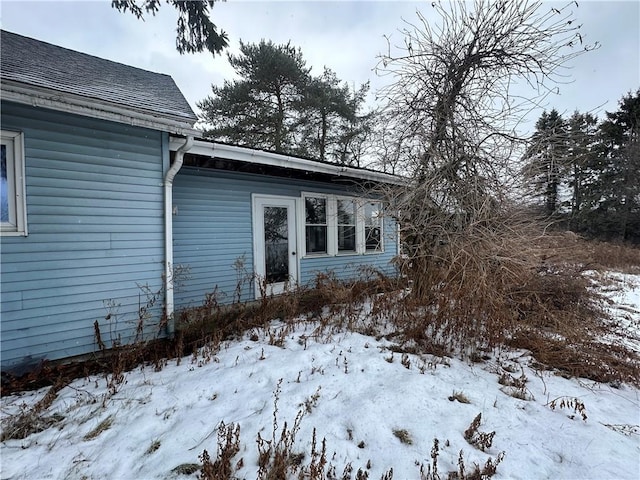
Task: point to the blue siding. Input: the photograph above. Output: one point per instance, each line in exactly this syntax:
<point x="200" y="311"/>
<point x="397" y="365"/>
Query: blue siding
<point x="95" y="219"/>
<point x="212" y="230"/>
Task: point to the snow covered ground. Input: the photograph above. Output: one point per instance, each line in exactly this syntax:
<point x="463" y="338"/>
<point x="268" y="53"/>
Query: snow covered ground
<point x="355" y="393"/>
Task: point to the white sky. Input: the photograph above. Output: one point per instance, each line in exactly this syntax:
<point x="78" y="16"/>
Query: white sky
<point x="346" y="36"/>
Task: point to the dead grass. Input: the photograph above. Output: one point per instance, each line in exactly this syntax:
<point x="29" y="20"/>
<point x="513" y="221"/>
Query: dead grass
<point x="611" y="256"/>
<point x="520" y="288"/>
<point x="460" y="397"/>
<point x="403" y="435"/>
<point x="101" y="427"/>
<point x="33" y="419"/>
<point x="481" y="290"/>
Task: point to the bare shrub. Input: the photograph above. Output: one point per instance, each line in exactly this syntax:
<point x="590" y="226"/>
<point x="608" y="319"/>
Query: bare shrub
<point x="483" y="271"/>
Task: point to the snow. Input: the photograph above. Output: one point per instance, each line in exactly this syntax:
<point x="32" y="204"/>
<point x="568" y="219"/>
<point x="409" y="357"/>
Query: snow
<point x="354" y="392"/>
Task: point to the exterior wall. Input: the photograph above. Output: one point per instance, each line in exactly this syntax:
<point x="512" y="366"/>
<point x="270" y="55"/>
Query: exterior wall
<point x="354" y="266"/>
<point x="212" y="232"/>
<point x="95" y="219"/>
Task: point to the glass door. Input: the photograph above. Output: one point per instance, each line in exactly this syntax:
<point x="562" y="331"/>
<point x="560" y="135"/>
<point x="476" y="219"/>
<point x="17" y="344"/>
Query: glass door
<point x="274" y="240"/>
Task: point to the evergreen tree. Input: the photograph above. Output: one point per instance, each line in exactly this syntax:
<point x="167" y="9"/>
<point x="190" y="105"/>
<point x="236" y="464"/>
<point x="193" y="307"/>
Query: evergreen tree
<point x="582" y="157"/>
<point x="356" y="134"/>
<point x="617" y="213"/>
<point x="261" y="109"/>
<point x="546" y="159"/>
<point x="325" y="106"/>
<point x="331" y="125"/>
<point x="195" y="31"/>
<point x="278" y="105"/>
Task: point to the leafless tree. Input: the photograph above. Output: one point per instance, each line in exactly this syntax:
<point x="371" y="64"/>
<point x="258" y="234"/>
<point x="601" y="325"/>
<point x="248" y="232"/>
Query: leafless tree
<point x="457" y="97"/>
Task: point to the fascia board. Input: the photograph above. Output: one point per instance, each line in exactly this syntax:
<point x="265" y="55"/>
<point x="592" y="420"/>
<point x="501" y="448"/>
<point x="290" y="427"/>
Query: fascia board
<point x="64" y="102"/>
<point x="232" y="152"/>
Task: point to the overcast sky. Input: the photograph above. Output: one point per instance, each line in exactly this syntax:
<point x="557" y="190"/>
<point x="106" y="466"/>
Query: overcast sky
<point x="344" y="35"/>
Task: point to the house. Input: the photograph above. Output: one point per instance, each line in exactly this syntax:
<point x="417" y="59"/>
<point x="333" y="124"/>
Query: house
<point x="106" y="191"/>
<point x="250" y="222"/>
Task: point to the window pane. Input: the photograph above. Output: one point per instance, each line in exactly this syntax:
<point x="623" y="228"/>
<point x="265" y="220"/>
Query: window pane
<point x="316" y="210"/>
<point x="276" y="244"/>
<point x="346" y="225"/>
<point x="346" y="238"/>
<point x="372" y="214"/>
<point x="316" y="239"/>
<point x="372" y="238"/>
<point x="373" y="226"/>
<point x="346" y="212"/>
<point x="4" y="187"/>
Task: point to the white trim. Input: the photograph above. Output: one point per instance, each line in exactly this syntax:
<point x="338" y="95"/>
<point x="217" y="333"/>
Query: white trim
<point x="332" y="226"/>
<point x="91" y="107"/>
<point x="381" y="211"/>
<point x="16" y="195"/>
<point x="259" y="157"/>
<point x="356" y="202"/>
<point x="258" y="201"/>
<point x="331" y="250"/>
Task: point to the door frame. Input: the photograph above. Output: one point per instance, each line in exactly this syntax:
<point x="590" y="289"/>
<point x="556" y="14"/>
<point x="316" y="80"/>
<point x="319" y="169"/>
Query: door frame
<point x="258" y="202"/>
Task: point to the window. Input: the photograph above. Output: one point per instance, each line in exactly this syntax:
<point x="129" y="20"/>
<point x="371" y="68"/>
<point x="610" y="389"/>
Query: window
<point x="12" y="198"/>
<point x="373" y="226"/>
<point x="336" y="225"/>
<point x="315" y="224"/>
<point x="346" y="226"/>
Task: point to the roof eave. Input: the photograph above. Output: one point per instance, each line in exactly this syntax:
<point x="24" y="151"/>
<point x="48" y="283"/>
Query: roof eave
<point x="90" y="107"/>
<point x="243" y="154"/>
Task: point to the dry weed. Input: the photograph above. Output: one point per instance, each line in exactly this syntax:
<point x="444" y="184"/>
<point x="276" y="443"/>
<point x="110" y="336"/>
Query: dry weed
<point x="101" y="427"/>
<point x="32" y="419"/>
<point x="228" y="447"/>
<point x="513" y="286"/>
<point x="574" y="404"/>
<point x="403" y="435"/>
<point x="478" y="439"/>
<point x="430" y="472"/>
<point x="459" y="396"/>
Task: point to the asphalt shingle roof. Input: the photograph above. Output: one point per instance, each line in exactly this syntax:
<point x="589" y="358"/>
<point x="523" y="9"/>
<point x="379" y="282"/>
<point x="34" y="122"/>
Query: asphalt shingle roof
<point x="42" y="64"/>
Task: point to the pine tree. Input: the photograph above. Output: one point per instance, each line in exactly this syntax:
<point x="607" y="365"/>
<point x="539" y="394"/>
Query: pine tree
<point x="261" y="109"/>
<point x="331" y="125"/>
<point x="582" y="158"/>
<point x="278" y="105"/>
<point x="617" y="213"/>
<point x="546" y="159"/>
<point x="195" y="31"/>
<point x="325" y="106"/>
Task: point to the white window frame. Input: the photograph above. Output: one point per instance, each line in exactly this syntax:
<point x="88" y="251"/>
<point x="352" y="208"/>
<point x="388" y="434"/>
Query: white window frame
<point x="332" y="226"/>
<point x="335" y="199"/>
<point x="303" y="222"/>
<point x="364" y="237"/>
<point x="17" y="202"/>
